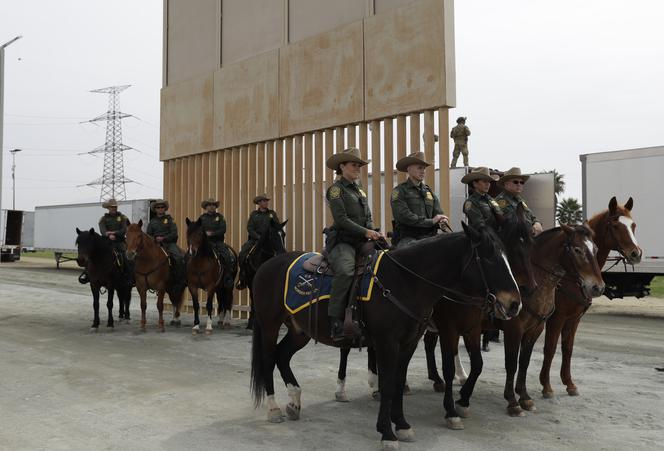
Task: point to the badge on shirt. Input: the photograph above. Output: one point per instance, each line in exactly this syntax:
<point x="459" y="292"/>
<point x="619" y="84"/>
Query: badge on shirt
<point x="429" y="195"/>
<point x="217" y="219"/>
<point x="524" y="204"/>
<point x="165" y="220"/>
<point x="362" y="193"/>
<point x="494" y="203"/>
<point x="335" y="192"/>
<point x="119" y="218"/>
<point x="502" y="203"/>
<point x="270" y="215"/>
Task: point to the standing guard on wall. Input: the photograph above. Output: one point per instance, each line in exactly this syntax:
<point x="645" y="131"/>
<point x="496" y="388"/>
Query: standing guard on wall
<point x="460" y="134"/>
<point x="214" y="225"/>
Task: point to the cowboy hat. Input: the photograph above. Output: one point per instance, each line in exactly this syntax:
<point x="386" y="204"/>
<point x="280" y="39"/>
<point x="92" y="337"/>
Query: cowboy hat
<point x="461" y="119"/>
<point x="413" y="158"/>
<point x="513" y="173"/>
<point x="209" y="201"/>
<point x="109" y="203"/>
<point x="350" y="154"/>
<point x="158" y="203"/>
<point x="481" y="173"/>
<point x="260" y="197"/>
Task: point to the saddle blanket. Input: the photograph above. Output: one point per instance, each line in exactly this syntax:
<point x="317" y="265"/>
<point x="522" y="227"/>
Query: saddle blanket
<point x="303" y="288"/>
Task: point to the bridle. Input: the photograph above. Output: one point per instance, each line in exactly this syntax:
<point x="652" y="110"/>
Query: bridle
<point x="139" y="248"/>
<point x="268" y="254"/>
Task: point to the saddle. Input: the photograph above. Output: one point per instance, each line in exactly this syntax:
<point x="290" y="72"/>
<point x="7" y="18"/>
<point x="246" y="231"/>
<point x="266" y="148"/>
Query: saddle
<point x="318" y="264"/>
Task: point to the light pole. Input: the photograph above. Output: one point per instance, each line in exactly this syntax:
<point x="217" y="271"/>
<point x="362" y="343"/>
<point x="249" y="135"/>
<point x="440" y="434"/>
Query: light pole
<point x="2" y="113"/>
<point x="13" y="152"/>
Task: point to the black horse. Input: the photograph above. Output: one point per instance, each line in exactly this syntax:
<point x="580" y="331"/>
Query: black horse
<point x="270" y="244"/>
<point x="95" y="253"/>
<point x="408" y="283"/>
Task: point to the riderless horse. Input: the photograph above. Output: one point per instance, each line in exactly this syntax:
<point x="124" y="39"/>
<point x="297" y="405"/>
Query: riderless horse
<point x="470" y="266"/>
<point x="613" y="231"/>
<point x="152" y="271"/>
<point x="104" y="268"/>
<point x="205" y="271"/>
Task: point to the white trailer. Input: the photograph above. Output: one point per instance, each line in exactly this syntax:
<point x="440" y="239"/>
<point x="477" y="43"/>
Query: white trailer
<point x="55" y="225"/>
<point x="624" y="174"/>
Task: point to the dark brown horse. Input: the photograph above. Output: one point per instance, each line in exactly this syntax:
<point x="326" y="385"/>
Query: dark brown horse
<point x="205" y="271"/>
<point x="408" y="283"/>
<point x="95" y="253"/>
<point x="152" y="272"/>
<point x="613" y="231"/>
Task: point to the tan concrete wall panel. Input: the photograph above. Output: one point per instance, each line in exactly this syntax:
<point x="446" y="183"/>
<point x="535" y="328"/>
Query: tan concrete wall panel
<point x="186" y="118"/>
<point x="246" y="103"/>
<point x="381" y="6"/>
<point x="192" y="39"/>
<point x="308" y="18"/>
<point x="405" y="60"/>
<point x="250" y="27"/>
<point x="320" y="81"/>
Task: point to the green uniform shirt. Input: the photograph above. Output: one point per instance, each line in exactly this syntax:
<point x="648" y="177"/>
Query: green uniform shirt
<point x="163" y="226"/>
<point x="214" y="223"/>
<point x="508" y="203"/>
<point x="259" y="221"/>
<point x="413" y="208"/>
<point x="113" y="223"/>
<point x="480" y="209"/>
<point x="350" y="210"/>
<point x="460" y="134"/>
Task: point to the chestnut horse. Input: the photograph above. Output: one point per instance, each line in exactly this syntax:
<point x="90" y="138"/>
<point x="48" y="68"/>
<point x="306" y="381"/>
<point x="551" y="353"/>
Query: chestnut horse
<point x="205" y="272"/>
<point x="408" y="283"/>
<point x="152" y="272"/>
<point x="614" y="230"/>
<point x="96" y="254"/>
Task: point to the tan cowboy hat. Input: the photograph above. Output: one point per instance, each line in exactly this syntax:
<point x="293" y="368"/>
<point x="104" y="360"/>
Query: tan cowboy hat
<point x="260" y="197"/>
<point x="513" y="173"/>
<point x="479" y="174"/>
<point x="413" y="158"/>
<point x="158" y="203"/>
<point x="350" y="154"/>
<point x="209" y="201"/>
<point x="109" y="203"/>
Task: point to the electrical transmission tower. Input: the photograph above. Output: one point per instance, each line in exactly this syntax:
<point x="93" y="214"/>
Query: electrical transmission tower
<point x="112" y="180"/>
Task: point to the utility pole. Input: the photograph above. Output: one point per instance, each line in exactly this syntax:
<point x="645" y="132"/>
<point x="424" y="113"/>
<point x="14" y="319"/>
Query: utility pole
<point x="13" y="152"/>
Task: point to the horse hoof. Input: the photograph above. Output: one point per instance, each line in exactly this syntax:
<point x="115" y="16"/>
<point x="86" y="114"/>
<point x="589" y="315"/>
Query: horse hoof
<point x="389" y="444"/>
<point x="293" y="411"/>
<point x="515" y="411"/>
<point x="573" y="391"/>
<point x="464" y="412"/>
<point x="527" y="404"/>
<point x="454" y="423"/>
<point x="375" y="395"/>
<point x="275" y="415"/>
<point x="208" y="331"/>
<point x="341" y="397"/>
<point x="406" y="390"/>
<point x="547" y="394"/>
<point x="406" y="435"/>
<point x="439" y="387"/>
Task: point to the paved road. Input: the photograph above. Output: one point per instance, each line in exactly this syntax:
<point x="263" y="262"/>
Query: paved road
<point x="64" y="388"/>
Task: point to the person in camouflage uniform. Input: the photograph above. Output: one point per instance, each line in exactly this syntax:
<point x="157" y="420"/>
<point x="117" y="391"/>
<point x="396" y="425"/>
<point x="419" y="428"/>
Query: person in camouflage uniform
<point x="163" y="229"/>
<point x="351" y="227"/>
<point x="415" y="208"/>
<point x="460" y="134"/>
<point x="512" y="183"/>
<point x="480" y="208"/>
<point x="259" y="220"/>
<point x="214" y="225"/>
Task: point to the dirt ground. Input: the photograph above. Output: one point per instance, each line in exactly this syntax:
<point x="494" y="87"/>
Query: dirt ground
<point x="62" y="387"/>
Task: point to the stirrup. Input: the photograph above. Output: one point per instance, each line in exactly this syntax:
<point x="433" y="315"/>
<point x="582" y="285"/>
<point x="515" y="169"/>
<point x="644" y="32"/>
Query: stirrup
<point x="83" y="278"/>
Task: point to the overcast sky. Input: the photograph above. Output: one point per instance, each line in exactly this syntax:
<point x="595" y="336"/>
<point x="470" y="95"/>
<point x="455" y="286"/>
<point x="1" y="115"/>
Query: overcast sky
<point x="540" y="81"/>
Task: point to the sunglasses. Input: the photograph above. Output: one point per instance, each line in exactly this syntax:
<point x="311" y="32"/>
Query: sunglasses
<point x="518" y="182"/>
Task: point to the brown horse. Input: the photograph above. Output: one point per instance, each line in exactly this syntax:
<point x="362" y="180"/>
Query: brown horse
<point x="206" y="272"/>
<point x="152" y="272"/>
<point x="614" y="230"/>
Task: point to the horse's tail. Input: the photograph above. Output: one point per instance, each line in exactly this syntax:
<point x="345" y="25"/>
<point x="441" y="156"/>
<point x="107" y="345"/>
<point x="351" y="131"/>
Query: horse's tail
<point x="257" y="370"/>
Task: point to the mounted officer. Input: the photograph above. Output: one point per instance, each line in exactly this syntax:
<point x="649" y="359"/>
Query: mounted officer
<point x="163" y="229"/>
<point x="460" y="134"/>
<point x="352" y="226"/>
<point x="259" y="220"/>
<point x="512" y="183"/>
<point x="214" y="226"/>
<point x="480" y="208"/>
<point x="415" y="208"/>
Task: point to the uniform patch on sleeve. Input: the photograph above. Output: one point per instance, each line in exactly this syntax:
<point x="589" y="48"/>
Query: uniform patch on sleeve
<point x="395" y="194"/>
<point x="362" y="193"/>
<point x="467" y="205"/>
<point x="334" y="192"/>
<point x="502" y="203"/>
<point x="494" y="203"/>
<point x="524" y="204"/>
<point x="429" y="195"/>
<point x="119" y="219"/>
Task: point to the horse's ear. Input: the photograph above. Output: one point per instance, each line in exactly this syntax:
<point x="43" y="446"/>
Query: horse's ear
<point x="140" y="223"/>
<point x="569" y="231"/>
<point x="470" y="232"/>
<point x="199" y="221"/>
<point x="613" y="205"/>
<point x="629" y="204"/>
<point x="187" y="220"/>
<point x="283" y="224"/>
<point x="92" y="230"/>
<point x="78" y="231"/>
<point x="128" y="222"/>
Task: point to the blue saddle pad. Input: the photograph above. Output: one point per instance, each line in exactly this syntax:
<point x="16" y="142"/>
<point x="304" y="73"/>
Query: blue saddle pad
<point x="303" y="288"/>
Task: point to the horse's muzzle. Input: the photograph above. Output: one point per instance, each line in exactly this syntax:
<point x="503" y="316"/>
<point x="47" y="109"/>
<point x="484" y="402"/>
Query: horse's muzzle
<point x="81" y="261"/>
<point x="593" y="290"/>
<point x="508" y="305"/>
<point x="634" y="257"/>
<point x="131" y="255"/>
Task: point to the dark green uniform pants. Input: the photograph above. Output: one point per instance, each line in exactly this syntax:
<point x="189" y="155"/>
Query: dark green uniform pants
<point x="342" y="262"/>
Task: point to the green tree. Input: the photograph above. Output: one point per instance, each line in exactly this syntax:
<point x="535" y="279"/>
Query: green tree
<point x="558" y="184"/>
<point x="569" y="211"/>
